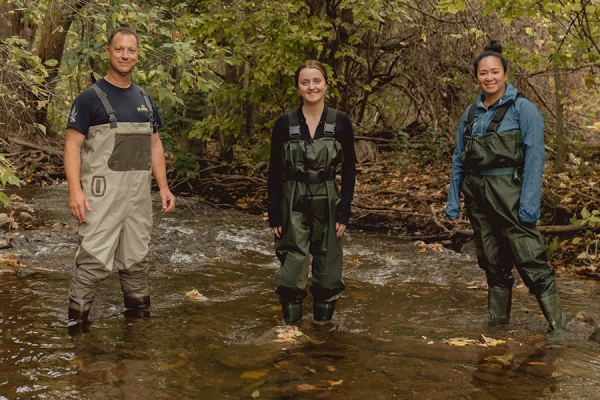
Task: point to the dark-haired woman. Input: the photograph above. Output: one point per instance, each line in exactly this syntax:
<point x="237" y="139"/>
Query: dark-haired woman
<point x="307" y="210"/>
<point x="498" y="163"/>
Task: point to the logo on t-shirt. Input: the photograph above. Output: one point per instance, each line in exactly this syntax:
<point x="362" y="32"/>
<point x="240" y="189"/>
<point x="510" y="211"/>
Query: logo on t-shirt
<point x="142" y="108"/>
<point x="73" y="116"/>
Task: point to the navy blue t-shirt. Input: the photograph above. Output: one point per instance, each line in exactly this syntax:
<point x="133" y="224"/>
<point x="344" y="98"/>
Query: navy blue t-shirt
<point x="129" y="106"/>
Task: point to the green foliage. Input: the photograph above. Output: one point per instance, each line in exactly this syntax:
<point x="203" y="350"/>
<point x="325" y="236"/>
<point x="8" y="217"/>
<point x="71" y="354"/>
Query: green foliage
<point x="21" y="69"/>
<point x="588" y="219"/>
<point x="7" y="177"/>
<point x="591" y="220"/>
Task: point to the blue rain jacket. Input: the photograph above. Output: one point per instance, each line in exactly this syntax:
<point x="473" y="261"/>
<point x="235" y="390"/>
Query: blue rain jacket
<point x="522" y="115"/>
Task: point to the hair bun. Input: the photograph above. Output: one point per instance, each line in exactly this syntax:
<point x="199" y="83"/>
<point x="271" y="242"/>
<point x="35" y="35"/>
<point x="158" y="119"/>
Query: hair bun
<point x="494" y="46"/>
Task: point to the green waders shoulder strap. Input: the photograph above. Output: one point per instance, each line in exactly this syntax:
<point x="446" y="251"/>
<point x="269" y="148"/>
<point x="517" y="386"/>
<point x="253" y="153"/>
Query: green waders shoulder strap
<point x="150" y="108"/>
<point x="112" y="118"/>
<point x="294" y="125"/>
<point x="496" y="119"/>
<point x="328" y="130"/>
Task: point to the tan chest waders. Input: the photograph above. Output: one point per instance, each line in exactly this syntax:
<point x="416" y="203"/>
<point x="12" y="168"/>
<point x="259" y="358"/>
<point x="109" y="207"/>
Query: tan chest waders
<point x="116" y="169"/>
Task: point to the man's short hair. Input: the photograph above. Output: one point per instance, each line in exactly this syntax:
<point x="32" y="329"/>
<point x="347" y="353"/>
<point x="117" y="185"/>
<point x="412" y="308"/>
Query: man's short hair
<point x="123" y="31"/>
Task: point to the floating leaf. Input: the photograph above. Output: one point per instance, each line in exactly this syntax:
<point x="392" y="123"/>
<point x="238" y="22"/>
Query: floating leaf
<point x="256" y="374"/>
<point x="335" y="383"/>
<point x="195" y="295"/>
<point x="255" y="394"/>
<point x="306" y="388"/>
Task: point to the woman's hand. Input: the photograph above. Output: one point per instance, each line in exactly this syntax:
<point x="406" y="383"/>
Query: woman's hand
<point x="339" y="229"/>
<point x="277" y="231"/>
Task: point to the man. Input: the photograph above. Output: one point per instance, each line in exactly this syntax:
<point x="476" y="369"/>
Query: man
<point x="112" y="147"/>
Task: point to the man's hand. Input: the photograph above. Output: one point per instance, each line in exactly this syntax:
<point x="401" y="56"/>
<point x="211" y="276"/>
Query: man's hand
<point x="168" y="200"/>
<point x="78" y="203"/>
<point x="277" y="231"/>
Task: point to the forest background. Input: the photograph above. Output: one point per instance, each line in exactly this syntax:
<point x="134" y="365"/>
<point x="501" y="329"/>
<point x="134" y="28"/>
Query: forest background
<point x="221" y="71"/>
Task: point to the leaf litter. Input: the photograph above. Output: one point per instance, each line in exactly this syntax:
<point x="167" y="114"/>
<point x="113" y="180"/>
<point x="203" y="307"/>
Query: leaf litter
<point x="484" y="341"/>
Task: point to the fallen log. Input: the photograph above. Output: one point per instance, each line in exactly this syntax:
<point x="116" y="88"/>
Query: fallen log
<point x="46" y="149"/>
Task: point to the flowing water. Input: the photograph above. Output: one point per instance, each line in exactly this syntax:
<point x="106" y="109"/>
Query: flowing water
<point x="403" y="305"/>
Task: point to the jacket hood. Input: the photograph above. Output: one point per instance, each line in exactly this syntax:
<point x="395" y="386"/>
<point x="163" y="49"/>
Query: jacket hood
<point x="510" y="94"/>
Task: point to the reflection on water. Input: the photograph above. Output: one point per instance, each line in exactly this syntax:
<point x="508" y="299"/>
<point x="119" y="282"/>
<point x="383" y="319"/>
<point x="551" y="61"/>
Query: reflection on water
<point x="399" y="306"/>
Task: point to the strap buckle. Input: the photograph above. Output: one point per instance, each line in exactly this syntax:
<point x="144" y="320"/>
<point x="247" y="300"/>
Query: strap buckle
<point x="313" y="176"/>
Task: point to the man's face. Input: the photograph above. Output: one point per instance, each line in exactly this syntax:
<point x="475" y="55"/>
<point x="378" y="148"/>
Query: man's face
<point x="122" y="54"/>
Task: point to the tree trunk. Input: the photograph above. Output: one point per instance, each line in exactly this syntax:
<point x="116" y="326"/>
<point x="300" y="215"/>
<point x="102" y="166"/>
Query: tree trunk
<point x="560" y="141"/>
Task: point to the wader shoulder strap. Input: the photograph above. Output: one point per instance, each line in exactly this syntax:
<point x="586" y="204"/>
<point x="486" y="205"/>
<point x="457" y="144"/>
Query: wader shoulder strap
<point x="329" y="129"/>
<point x="470" y="120"/>
<point x="150" y="108"/>
<point x="496" y="119"/>
<point x="112" y="118"/>
<point x="294" y="125"/>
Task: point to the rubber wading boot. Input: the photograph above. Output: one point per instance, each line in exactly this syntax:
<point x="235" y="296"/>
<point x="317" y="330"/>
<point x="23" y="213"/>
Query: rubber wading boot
<point x="78" y="321"/>
<point x="322" y="313"/>
<point x="499" y="304"/>
<point x="137" y="307"/>
<point x="292" y="312"/>
<point x="553" y="312"/>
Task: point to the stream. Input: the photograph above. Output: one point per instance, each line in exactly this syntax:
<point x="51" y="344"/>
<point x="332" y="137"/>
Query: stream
<point x="402" y="323"/>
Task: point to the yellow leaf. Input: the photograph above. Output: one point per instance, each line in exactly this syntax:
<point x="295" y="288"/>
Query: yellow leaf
<point x="330" y="368"/>
<point x="335" y="383"/>
<point x="306" y="388"/>
<point x="536" y="363"/>
<point x="255" y="394"/>
<point x="256" y="374"/>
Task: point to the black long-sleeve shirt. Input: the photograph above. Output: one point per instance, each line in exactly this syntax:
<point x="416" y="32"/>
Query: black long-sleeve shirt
<point x="344" y="133"/>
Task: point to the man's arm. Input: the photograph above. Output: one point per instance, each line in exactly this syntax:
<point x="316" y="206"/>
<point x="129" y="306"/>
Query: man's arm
<point x="78" y="202"/>
<point x="159" y="170"/>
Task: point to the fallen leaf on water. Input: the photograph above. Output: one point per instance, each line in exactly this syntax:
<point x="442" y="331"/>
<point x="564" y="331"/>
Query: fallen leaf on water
<point x="330" y="368"/>
<point x="485" y="341"/>
<point x="335" y="383"/>
<point x="314" y="371"/>
<point x="255" y="394"/>
<point x="306" y="388"/>
<point x="7" y="260"/>
<point x="256" y="374"/>
<point x="491" y="341"/>
<point x="536" y="363"/>
<point x="195" y="295"/>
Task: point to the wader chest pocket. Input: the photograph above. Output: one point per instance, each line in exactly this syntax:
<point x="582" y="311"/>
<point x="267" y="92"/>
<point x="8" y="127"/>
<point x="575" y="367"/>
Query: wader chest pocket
<point x="132" y="152"/>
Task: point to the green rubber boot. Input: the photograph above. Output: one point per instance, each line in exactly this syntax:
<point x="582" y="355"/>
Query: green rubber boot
<point x="322" y="313"/>
<point x="553" y="312"/>
<point x="499" y="305"/>
<point x="292" y="312"/>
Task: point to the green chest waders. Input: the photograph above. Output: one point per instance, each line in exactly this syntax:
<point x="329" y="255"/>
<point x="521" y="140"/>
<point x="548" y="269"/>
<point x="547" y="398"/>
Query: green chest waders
<point x="492" y="192"/>
<point x="116" y="167"/>
<point x="309" y="204"/>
